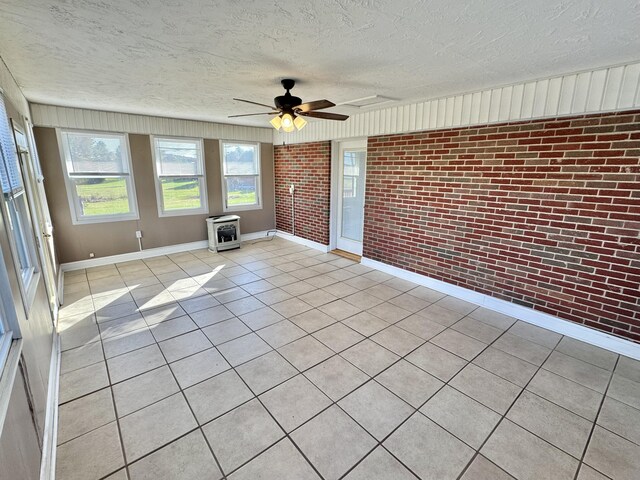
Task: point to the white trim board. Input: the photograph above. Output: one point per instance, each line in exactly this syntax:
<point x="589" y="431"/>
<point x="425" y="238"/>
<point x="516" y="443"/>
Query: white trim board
<point x="126" y="257"/>
<point x="48" y="462"/>
<point x="555" y="324"/>
<point x="303" y="241"/>
<point x="87" y="119"/>
<point x="608" y="89"/>
<point x="148" y="253"/>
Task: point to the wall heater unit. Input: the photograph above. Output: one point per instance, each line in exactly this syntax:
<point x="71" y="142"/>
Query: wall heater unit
<point x="224" y="232"/>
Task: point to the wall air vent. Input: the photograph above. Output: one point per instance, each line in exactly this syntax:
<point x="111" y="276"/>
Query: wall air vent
<point x="369" y="101"/>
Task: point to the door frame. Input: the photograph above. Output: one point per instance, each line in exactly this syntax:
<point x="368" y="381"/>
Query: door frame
<point x="39" y="210"/>
<point x="336" y="171"/>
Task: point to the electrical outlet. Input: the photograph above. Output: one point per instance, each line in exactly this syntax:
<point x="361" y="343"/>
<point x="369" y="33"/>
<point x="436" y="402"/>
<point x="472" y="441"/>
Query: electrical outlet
<point x="138" y="233"/>
<point x="91" y="255"/>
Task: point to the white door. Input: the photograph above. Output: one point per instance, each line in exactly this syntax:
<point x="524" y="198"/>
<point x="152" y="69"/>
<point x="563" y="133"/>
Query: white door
<point x="33" y="181"/>
<point x="351" y="183"/>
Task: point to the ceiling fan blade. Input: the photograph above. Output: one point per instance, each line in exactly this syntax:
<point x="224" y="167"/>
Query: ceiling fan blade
<point x="254" y="103"/>
<point x="315" y="105"/>
<point x="252" y="114"/>
<point x="325" y="115"/>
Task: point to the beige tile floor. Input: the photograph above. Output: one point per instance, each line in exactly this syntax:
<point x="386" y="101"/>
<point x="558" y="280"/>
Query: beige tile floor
<point x="280" y="362"/>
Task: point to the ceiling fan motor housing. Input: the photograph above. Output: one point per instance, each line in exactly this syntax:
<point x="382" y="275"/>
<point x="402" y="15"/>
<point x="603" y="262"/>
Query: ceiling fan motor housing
<point x="287" y="102"/>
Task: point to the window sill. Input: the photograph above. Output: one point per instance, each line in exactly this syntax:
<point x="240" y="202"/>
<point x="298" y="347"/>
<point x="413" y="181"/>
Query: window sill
<point x="242" y="208"/>
<point x="183" y="213"/>
<point x="91" y="221"/>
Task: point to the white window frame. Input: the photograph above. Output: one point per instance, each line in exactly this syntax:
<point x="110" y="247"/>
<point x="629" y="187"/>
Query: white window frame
<point x="17" y="217"/>
<point x="25" y="236"/>
<point x="9" y="327"/>
<point x="202" y="178"/>
<point x="77" y="218"/>
<point x="258" y="175"/>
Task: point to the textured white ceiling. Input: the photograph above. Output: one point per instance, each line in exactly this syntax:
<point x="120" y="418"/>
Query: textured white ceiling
<point x="188" y="58"/>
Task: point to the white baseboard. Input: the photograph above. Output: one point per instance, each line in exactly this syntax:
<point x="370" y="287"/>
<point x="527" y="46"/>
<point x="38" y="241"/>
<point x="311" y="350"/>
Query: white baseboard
<point x="550" y="322"/>
<point x="48" y="462"/>
<point x="256" y="235"/>
<point x="127" y="257"/>
<point x="148" y="252"/>
<point x="303" y="241"/>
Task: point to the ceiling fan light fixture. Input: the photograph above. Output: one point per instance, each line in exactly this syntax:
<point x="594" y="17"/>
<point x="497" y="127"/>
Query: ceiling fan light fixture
<point x="276" y="122"/>
<point x="299" y="122"/>
<point x="289" y="110"/>
<point x="287" y="123"/>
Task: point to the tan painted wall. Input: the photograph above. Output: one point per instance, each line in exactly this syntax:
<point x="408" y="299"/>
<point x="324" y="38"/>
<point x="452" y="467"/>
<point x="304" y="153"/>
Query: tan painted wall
<point x="75" y="242"/>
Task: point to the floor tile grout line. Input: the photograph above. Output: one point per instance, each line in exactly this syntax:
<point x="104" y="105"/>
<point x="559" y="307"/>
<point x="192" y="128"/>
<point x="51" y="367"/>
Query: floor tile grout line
<point x="257" y="397"/>
<point x="115" y="411"/>
<point x="502" y="417"/>
<point x="595" y="420"/>
<point x="276" y="350"/>
<point x="267" y="352"/>
<point x="208" y="378"/>
<point x="365" y="337"/>
<point x="416" y="347"/>
<point x="587" y="361"/>
<point x="199" y="427"/>
<point x="296" y="296"/>
<point x="617" y="434"/>
<point x="201" y="328"/>
<point x="416" y="410"/>
<point x="252" y="331"/>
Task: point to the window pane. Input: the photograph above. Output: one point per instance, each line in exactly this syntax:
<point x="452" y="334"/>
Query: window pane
<point x="353" y="194"/>
<point x="102" y="196"/>
<point x="18" y="211"/>
<point x="94" y="153"/>
<point x="181" y="193"/>
<point x="9" y="166"/>
<point x="241" y="191"/>
<point x="240" y="159"/>
<point x="178" y="157"/>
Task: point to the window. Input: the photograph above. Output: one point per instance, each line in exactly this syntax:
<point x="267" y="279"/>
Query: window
<point x="17" y="208"/>
<point x="181" y="186"/>
<point x="240" y="176"/>
<point x="351" y="173"/>
<point x="98" y="176"/>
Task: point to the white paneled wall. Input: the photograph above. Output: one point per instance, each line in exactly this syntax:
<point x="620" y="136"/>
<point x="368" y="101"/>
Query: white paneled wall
<point x="602" y="90"/>
<point x="65" y="117"/>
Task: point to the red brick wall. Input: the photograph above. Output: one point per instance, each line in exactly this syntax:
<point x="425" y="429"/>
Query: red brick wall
<point x="545" y="213"/>
<point x="308" y="167"/>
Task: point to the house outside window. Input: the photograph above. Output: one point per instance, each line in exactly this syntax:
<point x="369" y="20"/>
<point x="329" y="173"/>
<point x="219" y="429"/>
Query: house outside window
<point x="98" y="176"/>
<point x="181" y="186"/>
<point x="240" y="162"/>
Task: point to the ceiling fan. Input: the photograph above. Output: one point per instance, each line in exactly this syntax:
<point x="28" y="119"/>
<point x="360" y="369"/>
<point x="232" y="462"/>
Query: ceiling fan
<point x="290" y="110"/>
